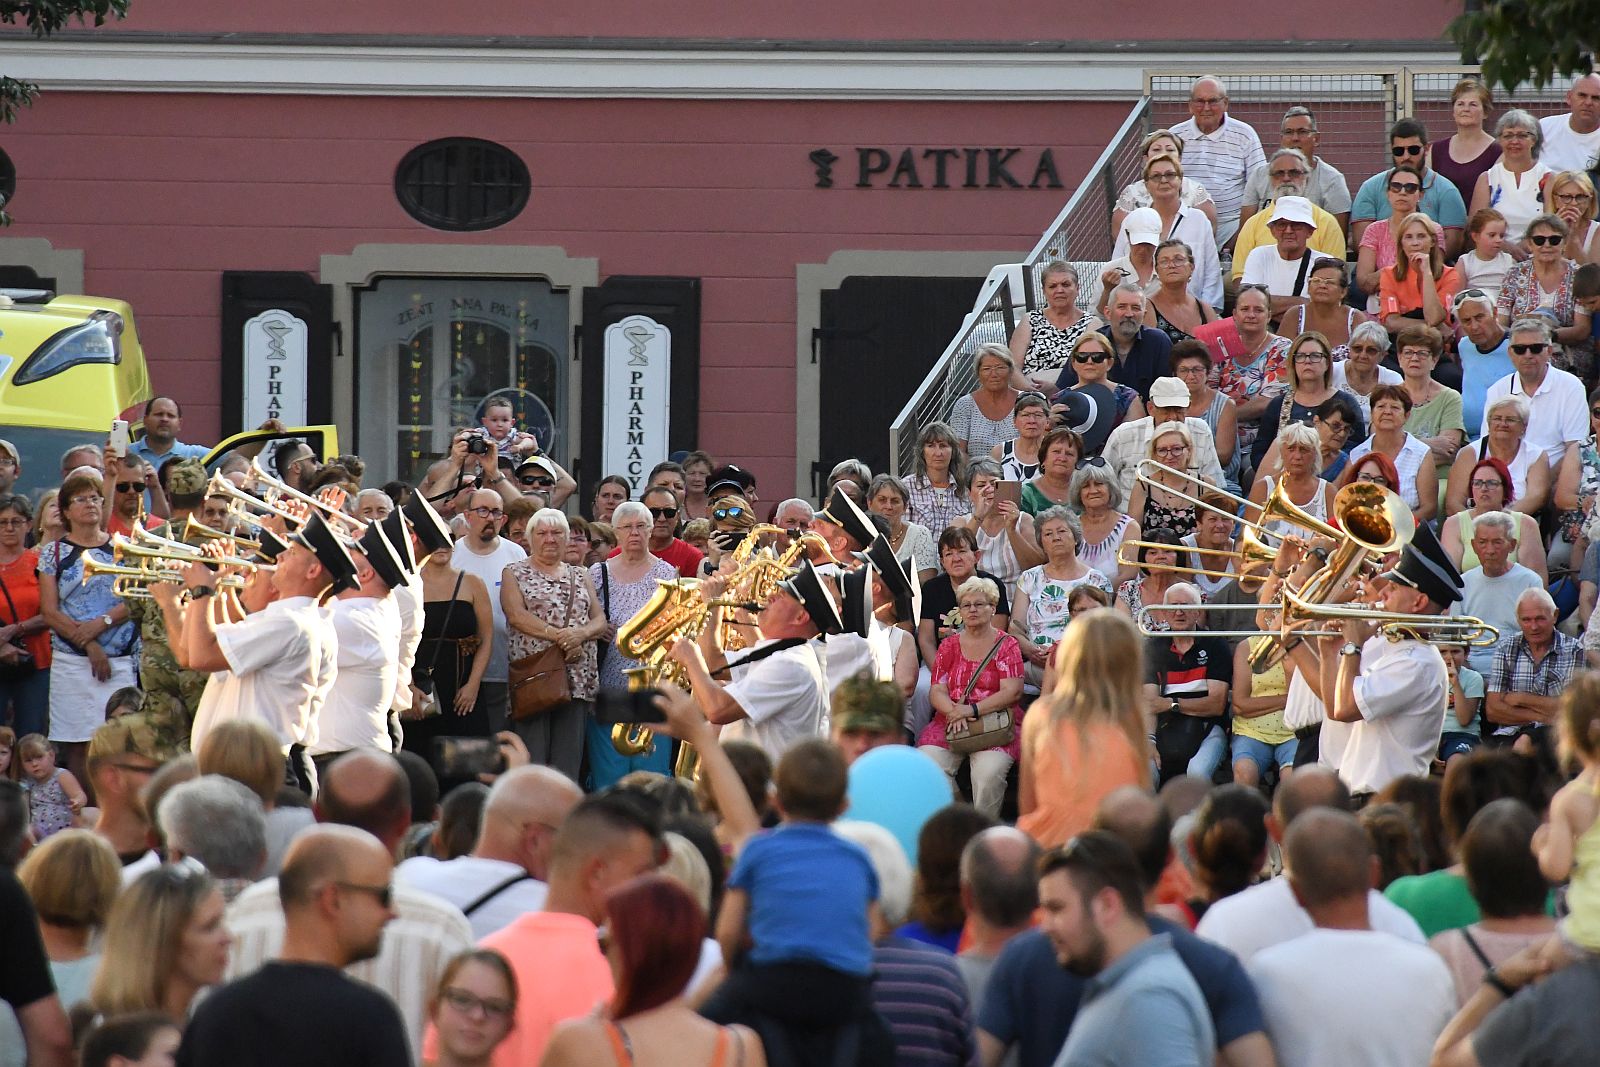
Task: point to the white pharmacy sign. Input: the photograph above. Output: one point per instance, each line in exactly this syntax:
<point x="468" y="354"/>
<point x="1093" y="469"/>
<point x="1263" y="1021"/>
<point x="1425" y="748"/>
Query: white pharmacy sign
<point x="274" y="369"/>
<point x="638" y="365"/>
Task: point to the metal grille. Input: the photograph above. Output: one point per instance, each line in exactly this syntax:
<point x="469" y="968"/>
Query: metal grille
<point x="462" y="183"/>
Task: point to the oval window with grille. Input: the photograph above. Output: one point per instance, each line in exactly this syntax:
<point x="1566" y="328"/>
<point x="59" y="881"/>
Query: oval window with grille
<point x="462" y="183"/>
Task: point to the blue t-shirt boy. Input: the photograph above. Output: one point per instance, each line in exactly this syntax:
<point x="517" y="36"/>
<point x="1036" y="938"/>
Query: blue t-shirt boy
<point x="810" y="892"/>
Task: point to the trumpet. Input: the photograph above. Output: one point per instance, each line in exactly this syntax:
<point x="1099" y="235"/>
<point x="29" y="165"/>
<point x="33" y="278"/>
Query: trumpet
<point x="242" y="506"/>
<point x="194" y="528"/>
<point x="124" y="548"/>
<point x="133" y="583"/>
<point x="259" y="476"/>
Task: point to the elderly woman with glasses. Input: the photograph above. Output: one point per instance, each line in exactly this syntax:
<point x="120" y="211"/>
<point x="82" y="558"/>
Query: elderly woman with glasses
<point x="1514" y="185"/>
<point x="1163" y="176"/>
<point x="1324" y="310"/>
<point x="1019" y="459"/>
<point x="1435" y="409"/>
<point x="548" y="601"/>
<point x="1542" y="283"/>
<point x="982" y="419"/>
<point x="1300" y="448"/>
<point x="1506" y="441"/>
<point x="1191" y="364"/>
<point x="1042" y="344"/>
<point x="1362" y="370"/>
<point x="1412" y="459"/>
<point x="1137" y="194"/>
<point x="1570" y="196"/>
<point x="1162" y="549"/>
<point x="1492" y="489"/>
<point x="1311" y="384"/>
<point x="1337" y="421"/>
<point x="1097" y="498"/>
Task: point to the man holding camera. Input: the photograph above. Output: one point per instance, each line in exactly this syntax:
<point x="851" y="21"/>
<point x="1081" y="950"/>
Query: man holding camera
<point x="473" y="463"/>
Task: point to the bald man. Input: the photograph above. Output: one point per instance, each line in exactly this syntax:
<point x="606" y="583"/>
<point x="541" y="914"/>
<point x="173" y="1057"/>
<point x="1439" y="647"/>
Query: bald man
<point x="999" y="891"/>
<point x="1346" y="993"/>
<point x="1268" y="913"/>
<point x="1572" y="141"/>
<point x="505" y="874"/>
<point x="300" y="1009"/>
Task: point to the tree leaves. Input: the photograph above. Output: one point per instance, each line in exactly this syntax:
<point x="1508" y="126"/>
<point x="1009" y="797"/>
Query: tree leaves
<point x="1537" y="41"/>
<point x="44" y="17"/>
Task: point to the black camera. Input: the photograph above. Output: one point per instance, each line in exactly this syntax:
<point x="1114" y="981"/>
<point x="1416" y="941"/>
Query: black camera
<point x="477" y="443"/>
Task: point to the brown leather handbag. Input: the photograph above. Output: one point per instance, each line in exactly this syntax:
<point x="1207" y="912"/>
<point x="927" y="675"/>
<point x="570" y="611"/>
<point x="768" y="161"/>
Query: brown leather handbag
<point x="539" y="682"/>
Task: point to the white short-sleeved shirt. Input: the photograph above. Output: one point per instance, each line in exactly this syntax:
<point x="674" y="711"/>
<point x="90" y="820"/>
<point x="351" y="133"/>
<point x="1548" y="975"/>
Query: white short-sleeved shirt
<point x="1264" y="266"/>
<point x="1413" y="454"/>
<point x="1222" y="161"/>
<point x="466" y="879"/>
<point x="1494" y="600"/>
<point x="1565" y="149"/>
<point x="408" y="602"/>
<point x="489" y="568"/>
<point x="784" y="698"/>
<point x="1560" y="414"/>
<point x="1302" y="709"/>
<point x="356" y="713"/>
<point x="1393" y="1000"/>
<point x="1267" y="914"/>
<point x="282" y="661"/>
<point x="1400" y="693"/>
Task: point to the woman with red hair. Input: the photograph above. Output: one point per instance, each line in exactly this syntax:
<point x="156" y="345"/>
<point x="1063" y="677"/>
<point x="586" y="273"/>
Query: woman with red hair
<point x="1491" y="489"/>
<point x="652" y="940"/>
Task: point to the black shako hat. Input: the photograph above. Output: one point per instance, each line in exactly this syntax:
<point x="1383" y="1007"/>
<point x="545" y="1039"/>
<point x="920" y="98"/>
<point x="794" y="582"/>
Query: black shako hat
<point x="326" y="545"/>
<point x="272" y="546"/>
<point x="901" y="579"/>
<point x="429" y="526"/>
<point x="858" y="606"/>
<point x="806" y="586"/>
<point x="394" y="528"/>
<point x="845" y="514"/>
<point x="375" y="545"/>
<point x="1425" y="567"/>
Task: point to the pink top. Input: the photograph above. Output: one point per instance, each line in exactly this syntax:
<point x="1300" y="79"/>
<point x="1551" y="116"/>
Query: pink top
<point x="953" y="670"/>
<point x="1379" y="238"/>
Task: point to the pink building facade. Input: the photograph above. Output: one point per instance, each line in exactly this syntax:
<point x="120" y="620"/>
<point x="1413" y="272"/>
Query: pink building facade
<point x="744" y="162"/>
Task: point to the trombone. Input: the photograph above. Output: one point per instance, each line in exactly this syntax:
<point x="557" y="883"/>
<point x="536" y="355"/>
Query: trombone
<point x="243" y="506"/>
<point x="1465" y="629"/>
<point x="1252" y="556"/>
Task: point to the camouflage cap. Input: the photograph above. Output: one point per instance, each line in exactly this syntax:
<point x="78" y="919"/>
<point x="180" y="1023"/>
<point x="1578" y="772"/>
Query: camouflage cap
<point x="188" y="478"/>
<point x="862" y="702"/>
<point x="128" y="735"/>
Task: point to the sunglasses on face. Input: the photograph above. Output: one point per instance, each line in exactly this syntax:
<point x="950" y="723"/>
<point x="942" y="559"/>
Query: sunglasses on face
<point x="1543" y="239"/>
<point x="721" y="514"/>
<point x="1091" y="357"/>
<point x="664" y="513"/>
<point x="1400" y="150"/>
<point x="538" y="481"/>
<point x="1523" y="350"/>
<point x="130" y="487"/>
<point x="1404" y="188"/>
<point x="1093" y="461"/>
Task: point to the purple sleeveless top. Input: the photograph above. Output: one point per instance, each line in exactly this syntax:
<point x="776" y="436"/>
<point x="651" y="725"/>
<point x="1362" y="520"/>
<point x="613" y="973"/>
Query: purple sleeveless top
<point x="1464" y="176"/>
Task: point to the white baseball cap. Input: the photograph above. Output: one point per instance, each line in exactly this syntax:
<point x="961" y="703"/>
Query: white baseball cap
<point x="1143" y="226"/>
<point x="1293" y="209"/>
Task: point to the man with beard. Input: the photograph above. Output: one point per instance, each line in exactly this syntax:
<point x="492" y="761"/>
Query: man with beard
<point x="1140" y="1004"/>
<point x="1289" y="175"/>
<point x="1143" y="354"/>
<point x="484" y="553"/>
<point x="299" y="1009"/>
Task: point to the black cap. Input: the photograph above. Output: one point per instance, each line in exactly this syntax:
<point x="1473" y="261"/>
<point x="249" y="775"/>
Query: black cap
<point x="1091" y="414"/>
<point x="394" y="528"/>
<point x="805" y="585"/>
<point x="1426" y="567"/>
<point x="729" y="476"/>
<point x="316" y="535"/>
<point x="900" y="578"/>
<point x="272" y="545"/>
<point x="429" y="526"/>
<point x="845" y="514"/>
<point x="374" y="544"/>
<point x="858" y="606"/>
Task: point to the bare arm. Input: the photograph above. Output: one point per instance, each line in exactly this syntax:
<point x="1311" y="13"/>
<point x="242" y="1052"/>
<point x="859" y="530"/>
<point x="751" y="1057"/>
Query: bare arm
<point x="1530" y="552"/>
<point x="1024" y="542"/>
<point x="1537" y="491"/>
<point x="685" y="722"/>
<point x="925" y="641"/>
<point x="483" y="618"/>
<point x="1227" y="432"/>
<point x="1427" y="490"/>
<point x="1567" y="480"/>
<point x="46" y="1033"/>
<point x="733" y="928"/>
<point x="1367" y="273"/>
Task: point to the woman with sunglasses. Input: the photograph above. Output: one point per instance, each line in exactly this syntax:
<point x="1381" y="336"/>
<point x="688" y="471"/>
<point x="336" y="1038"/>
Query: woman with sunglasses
<point x="1097" y="498"/>
<point x="1311" y="377"/>
<point x="982" y="418"/>
<point x="1543" y="283"/>
<point x="1514" y="185"/>
<point x="1325" y="311"/>
<point x="1042" y="344"/>
<point x="1061" y="449"/>
<point x="1507" y="442"/>
<point x="1137" y="194"/>
<point x="1418" y="286"/>
<point x="1173" y="309"/>
<point x="1363" y="371"/>
<point x="1251" y="362"/>
<point x="1006" y="542"/>
<point x="1162" y="508"/>
<point x="936" y="488"/>
<point x="1092" y="359"/>
<point x="1419" y="481"/>
<point x="24" y="686"/>
<point x="473" y="1009"/>
<point x="1379" y="243"/>
<point x="1466" y="154"/>
<point x="1150" y="586"/>
<point x="1163" y="176"/>
<point x="1491" y="489"/>
<point x="1570" y="196"/>
<point x="1019" y="459"/>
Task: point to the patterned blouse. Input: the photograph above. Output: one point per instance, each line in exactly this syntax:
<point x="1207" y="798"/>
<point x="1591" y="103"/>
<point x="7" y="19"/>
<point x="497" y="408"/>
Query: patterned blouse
<point x="562" y="602"/>
<point x="1048" y="344"/>
<point x="1521" y="295"/>
<point x="622" y="602"/>
<point x="954" y="670"/>
<point x="1131" y="594"/>
<point x="1265" y="376"/>
<point x="979" y="431"/>
<point x="932" y="507"/>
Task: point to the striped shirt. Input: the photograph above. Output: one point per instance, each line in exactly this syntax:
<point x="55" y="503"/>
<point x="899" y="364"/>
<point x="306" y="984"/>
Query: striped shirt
<point x="920" y="993"/>
<point x="1222" y="161"/>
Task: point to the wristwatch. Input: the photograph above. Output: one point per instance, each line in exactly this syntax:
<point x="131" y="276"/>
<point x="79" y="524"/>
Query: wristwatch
<point x="1173" y="707"/>
<point x="200" y="592"/>
<point x="108" y="620"/>
<point x="1349" y="648"/>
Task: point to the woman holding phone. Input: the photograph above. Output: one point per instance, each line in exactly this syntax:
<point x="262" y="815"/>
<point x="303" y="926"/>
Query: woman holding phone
<point x="1007" y="545"/>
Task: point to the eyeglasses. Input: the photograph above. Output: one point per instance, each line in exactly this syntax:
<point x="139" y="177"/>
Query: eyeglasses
<point x="1296" y="173"/>
<point x="721" y="514"/>
<point x="1370" y="349"/>
<point x="1376" y="479"/>
<point x="467" y="1003"/>
<point x="664" y="513"/>
<point x="1208" y="101"/>
<point x="1172" y="261"/>
<point x="14" y="522"/>
<point x="487" y="513"/>
<point x="1405" y="150"/>
<point x="1517" y="135"/>
<point x="1310" y="357"/>
<point x="383" y="894"/>
<point x="130" y="487"/>
<point x="1487" y="483"/>
<point x="1523" y="350"/>
<point x="1404" y="187"/>
<point x="1572" y="198"/>
<point x="1340" y="429"/>
<point x="1091" y="357"/>
<point x="1419" y="353"/>
<point x="94" y="498"/>
<point x="1172" y="450"/>
<point x="1545" y="238"/>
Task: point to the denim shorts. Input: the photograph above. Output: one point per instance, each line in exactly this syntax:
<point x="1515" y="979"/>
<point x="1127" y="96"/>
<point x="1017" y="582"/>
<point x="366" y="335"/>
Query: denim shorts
<point x="1262" y="754"/>
<point x="1457" y="744"/>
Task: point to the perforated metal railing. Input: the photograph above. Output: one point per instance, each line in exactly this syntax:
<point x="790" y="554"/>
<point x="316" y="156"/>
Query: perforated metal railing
<point x="1354" y="109"/>
<point x="1081" y="232"/>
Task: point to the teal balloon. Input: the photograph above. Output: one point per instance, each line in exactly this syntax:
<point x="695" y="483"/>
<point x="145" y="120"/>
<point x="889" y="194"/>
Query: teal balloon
<point x="898" y="788"/>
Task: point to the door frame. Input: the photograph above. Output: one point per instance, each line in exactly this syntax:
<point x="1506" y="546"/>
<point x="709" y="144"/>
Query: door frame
<point x="811" y="279"/>
<point x="369" y="262"/>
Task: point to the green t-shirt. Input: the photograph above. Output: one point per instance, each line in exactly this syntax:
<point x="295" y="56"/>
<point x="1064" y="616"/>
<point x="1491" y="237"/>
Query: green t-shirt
<point x="1439" y="901"/>
<point x="1441" y="413"/>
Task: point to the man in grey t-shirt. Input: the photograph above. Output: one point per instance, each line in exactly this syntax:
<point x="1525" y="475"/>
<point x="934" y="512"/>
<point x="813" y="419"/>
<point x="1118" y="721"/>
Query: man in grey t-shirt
<point x="485" y="553"/>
